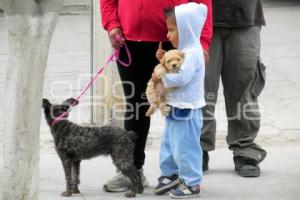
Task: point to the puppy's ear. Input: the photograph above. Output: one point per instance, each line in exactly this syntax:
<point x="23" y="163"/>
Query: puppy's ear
<point x="71" y="101"/>
<point x="181" y="54"/>
<point x="46" y="103"/>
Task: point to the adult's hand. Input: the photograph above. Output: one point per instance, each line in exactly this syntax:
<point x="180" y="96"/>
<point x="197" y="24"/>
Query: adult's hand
<point x="116" y="38"/>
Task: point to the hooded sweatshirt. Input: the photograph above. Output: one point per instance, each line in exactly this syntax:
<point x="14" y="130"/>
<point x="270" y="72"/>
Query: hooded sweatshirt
<point x="189" y="81"/>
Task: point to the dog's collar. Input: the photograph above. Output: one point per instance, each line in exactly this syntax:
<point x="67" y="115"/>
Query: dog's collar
<point x="61" y="117"/>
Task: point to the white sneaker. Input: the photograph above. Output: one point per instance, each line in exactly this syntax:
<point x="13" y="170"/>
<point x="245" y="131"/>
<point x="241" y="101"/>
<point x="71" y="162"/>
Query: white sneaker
<point x="143" y="177"/>
<point x="121" y="183"/>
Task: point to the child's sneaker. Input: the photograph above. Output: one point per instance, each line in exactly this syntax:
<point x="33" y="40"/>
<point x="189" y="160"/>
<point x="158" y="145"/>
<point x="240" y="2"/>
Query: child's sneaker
<point x="166" y="183"/>
<point x="183" y="191"/>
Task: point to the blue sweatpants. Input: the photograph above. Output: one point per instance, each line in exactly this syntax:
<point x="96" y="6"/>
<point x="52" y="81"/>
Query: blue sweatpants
<point x="180" y="151"/>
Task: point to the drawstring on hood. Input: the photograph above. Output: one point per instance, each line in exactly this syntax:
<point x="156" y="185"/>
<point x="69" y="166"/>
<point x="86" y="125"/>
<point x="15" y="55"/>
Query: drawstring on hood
<point x="190" y="19"/>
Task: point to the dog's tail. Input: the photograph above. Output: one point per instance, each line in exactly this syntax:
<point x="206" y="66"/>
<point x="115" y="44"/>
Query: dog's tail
<point x="132" y="135"/>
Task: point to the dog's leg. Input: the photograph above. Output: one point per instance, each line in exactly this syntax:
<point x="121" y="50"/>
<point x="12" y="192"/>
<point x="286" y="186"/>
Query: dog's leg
<point x="137" y="185"/>
<point x="133" y="173"/>
<point x="151" y="110"/>
<point x="67" y="169"/>
<point x="124" y="163"/>
<point x="75" y="176"/>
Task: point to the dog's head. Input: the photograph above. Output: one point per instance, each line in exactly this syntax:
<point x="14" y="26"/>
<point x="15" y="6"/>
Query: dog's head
<point x="172" y="60"/>
<point x="56" y="110"/>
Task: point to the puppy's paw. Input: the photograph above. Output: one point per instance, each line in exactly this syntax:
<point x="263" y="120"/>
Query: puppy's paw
<point x="165" y="111"/>
<point x="66" y="194"/>
<point x="130" y="194"/>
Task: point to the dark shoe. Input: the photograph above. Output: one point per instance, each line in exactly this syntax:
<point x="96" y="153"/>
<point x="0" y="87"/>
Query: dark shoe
<point x="246" y="167"/>
<point x="166" y="183"/>
<point x="184" y="192"/>
<point x="205" y="161"/>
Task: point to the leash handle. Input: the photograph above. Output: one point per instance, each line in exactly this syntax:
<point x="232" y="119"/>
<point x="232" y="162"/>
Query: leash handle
<point x="118" y="38"/>
<point x="128" y="55"/>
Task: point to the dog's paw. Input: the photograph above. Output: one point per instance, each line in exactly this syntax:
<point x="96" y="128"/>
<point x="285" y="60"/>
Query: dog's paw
<point x="130" y="194"/>
<point x="66" y="194"/>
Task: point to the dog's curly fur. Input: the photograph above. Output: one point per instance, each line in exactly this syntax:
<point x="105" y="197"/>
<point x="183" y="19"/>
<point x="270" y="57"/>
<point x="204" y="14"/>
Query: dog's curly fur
<point x="74" y="143"/>
<point x="170" y="63"/>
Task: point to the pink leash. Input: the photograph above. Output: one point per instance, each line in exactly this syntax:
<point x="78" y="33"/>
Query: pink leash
<point x="113" y="57"/>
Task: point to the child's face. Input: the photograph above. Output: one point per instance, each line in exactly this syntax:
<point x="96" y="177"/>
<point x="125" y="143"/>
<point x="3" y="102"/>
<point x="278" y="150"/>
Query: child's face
<point x="172" y="34"/>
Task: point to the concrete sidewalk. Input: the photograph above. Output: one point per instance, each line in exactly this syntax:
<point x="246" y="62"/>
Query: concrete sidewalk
<point x="279" y="180"/>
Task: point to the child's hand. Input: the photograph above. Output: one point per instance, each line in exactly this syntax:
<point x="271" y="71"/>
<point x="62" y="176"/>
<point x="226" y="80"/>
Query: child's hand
<point x="160" y="52"/>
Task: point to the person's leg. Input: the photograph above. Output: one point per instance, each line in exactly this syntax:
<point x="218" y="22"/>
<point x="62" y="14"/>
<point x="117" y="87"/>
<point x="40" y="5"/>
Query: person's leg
<point x="134" y="80"/>
<point x="187" y="153"/>
<point x="168" y="168"/>
<point x="239" y="76"/>
<point x="186" y="147"/>
<point x="167" y="163"/>
<point x="212" y="80"/>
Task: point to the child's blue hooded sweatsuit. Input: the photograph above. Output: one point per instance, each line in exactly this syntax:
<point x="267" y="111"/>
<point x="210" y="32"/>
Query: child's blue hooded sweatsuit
<point x="180" y="151"/>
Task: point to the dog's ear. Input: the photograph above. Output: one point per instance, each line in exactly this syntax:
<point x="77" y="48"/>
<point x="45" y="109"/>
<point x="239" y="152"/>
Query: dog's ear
<point x="46" y="103"/>
<point x="181" y="54"/>
<point x="71" y="102"/>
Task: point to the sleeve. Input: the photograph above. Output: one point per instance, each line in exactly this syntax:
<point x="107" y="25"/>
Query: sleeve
<point x="207" y="31"/>
<point x="109" y="14"/>
<point x="183" y="77"/>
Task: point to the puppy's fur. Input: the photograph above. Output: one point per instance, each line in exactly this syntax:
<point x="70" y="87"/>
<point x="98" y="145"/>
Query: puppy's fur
<point x="74" y="143"/>
<point x="170" y="63"/>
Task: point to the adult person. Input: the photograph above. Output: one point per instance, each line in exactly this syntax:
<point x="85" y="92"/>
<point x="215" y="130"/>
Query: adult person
<point x="235" y="57"/>
<point x="141" y="24"/>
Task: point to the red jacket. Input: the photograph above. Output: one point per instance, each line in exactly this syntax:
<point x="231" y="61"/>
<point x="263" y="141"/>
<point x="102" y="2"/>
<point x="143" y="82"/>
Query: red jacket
<point x="143" y="20"/>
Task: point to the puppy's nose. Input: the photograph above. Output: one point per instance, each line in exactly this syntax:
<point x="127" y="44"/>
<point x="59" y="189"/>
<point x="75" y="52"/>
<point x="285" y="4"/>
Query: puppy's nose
<point x="174" y="65"/>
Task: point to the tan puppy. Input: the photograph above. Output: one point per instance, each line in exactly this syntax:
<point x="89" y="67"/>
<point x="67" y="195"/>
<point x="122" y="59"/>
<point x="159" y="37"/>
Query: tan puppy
<point x="170" y="63"/>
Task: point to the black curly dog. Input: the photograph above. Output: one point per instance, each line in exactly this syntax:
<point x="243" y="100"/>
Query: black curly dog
<point x="74" y="143"/>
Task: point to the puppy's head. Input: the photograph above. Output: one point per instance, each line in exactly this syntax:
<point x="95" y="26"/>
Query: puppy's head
<point x="57" y="110"/>
<point x="173" y="60"/>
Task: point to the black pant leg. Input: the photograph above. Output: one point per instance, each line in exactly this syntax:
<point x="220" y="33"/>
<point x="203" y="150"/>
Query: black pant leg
<point x="134" y="80"/>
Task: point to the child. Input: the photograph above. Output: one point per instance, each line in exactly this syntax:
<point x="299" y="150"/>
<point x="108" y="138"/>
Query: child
<point x="181" y="153"/>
